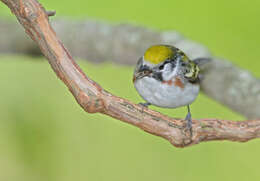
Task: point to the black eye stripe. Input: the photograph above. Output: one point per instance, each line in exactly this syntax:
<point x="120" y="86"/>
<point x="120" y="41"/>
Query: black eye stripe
<point x="161" y="67"/>
<point x="169" y="61"/>
<point x="157" y="76"/>
<point x="144" y="68"/>
<point x="164" y="63"/>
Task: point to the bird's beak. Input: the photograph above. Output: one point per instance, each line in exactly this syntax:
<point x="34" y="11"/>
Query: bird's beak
<point x="134" y="78"/>
<point x="141" y="72"/>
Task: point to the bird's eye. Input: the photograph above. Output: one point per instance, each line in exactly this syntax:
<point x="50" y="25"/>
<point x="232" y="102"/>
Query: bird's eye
<point x="161" y="67"/>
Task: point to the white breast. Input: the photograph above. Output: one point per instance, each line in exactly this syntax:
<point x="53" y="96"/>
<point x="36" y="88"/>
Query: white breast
<point x="164" y="95"/>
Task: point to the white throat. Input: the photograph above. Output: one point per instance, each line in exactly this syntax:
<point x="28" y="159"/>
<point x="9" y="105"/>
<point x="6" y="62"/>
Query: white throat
<point x="169" y="73"/>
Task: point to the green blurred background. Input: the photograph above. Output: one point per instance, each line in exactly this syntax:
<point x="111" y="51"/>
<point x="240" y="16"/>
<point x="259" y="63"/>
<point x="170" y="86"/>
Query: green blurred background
<point x="45" y="135"/>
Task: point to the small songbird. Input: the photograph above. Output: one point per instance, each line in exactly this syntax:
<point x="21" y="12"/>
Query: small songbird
<point x="166" y="77"/>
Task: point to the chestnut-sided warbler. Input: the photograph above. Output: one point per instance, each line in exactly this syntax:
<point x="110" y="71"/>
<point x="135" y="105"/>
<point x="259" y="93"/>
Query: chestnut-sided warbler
<point x="166" y="77"/>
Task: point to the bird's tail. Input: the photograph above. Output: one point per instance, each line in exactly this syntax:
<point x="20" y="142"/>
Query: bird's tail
<point x="201" y="61"/>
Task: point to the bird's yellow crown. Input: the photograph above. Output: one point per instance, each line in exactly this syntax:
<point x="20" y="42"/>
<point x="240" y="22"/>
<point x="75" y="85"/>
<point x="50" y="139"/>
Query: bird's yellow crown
<point x="158" y="53"/>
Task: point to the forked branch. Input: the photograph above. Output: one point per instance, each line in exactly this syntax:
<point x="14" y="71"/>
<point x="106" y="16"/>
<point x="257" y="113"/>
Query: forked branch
<point x="93" y="98"/>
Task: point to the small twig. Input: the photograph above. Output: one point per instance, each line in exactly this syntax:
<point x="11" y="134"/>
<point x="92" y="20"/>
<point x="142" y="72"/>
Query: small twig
<point x="93" y="98"/>
<point x="51" y="13"/>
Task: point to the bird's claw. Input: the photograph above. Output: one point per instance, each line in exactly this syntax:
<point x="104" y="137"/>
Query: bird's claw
<point x="146" y="104"/>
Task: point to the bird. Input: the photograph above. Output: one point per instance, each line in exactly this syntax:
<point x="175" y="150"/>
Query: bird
<point x="165" y="77"/>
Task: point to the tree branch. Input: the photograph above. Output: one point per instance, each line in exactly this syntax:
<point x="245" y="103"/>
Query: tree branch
<point x="232" y="86"/>
<point x="98" y="42"/>
<point x="93" y="98"/>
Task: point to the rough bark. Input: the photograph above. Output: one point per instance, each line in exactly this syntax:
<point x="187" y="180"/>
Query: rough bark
<point x="93" y="98"/>
<point x="123" y="43"/>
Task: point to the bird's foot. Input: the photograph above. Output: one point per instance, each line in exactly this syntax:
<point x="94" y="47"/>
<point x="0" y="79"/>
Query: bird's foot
<point x="189" y="121"/>
<point x="146" y="104"/>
